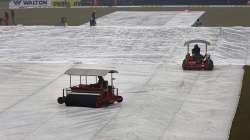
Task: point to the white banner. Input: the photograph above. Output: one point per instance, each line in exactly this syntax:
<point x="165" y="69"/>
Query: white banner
<point x="14" y="4"/>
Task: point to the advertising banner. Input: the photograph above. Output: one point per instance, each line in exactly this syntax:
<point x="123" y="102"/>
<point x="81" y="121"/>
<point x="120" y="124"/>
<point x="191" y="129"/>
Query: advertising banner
<point x="14" y="4"/>
<point x="71" y="3"/>
<point x="81" y="3"/>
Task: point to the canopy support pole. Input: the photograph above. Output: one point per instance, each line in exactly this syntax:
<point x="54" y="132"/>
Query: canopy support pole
<point x="112" y="83"/>
<point x="206" y="48"/>
<point x="70" y="80"/>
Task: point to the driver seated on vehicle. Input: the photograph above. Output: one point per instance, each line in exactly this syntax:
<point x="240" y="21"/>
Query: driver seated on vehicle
<point x="101" y="82"/>
<point x="196" y="54"/>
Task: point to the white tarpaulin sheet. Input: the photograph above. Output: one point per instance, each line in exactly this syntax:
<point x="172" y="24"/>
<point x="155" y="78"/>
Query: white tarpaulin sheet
<point x="150" y="19"/>
<point x="161" y="101"/>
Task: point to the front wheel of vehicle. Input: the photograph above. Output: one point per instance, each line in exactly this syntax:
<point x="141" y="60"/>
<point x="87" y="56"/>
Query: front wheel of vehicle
<point x="60" y="100"/>
<point x="119" y="99"/>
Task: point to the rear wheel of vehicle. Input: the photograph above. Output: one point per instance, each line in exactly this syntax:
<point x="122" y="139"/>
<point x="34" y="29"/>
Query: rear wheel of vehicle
<point x="60" y="100"/>
<point x="98" y="102"/>
<point x="210" y="65"/>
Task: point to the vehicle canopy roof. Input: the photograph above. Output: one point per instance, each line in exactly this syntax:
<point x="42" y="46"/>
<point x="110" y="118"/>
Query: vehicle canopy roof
<point x="196" y="41"/>
<point x="89" y="72"/>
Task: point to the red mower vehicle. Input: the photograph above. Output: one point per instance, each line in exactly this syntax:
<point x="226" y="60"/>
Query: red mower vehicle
<point x="97" y="94"/>
<point x="197" y="61"/>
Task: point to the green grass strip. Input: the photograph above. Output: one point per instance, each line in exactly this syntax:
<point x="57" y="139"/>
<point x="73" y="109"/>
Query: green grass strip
<point x="240" y="129"/>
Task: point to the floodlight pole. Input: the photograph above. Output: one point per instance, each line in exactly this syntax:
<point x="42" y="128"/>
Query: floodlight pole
<point x="80" y="79"/>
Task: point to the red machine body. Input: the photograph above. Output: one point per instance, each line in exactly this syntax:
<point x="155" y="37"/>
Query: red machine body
<point x="193" y="63"/>
<point x="90" y="95"/>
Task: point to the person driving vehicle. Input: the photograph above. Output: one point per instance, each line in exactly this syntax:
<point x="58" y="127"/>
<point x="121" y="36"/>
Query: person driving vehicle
<point x="196" y="53"/>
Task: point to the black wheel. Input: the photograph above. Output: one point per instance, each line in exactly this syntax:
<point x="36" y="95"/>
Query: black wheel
<point x="210" y="64"/>
<point x="183" y="64"/>
<point x="60" y="100"/>
<point x="119" y="99"/>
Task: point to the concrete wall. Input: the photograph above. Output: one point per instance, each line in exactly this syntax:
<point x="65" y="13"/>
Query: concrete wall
<point x="4" y="3"/>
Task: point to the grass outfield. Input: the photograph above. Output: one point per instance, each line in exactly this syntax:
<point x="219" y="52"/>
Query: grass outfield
<point x="240" y="129"/>
<point x="214" y="16"/>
